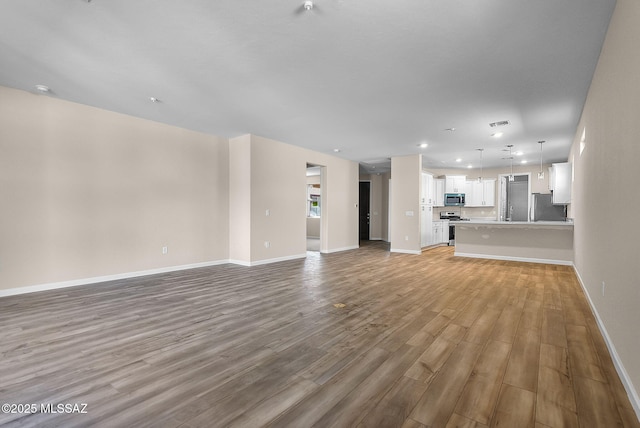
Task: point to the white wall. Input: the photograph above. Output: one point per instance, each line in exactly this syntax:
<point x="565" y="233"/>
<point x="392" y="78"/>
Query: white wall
<point x="405" y="198"/>
<point x="278" y="183"/>
<point x="240" y="198"/>
<point x="88" y="193"/>
<point x="607" y="174"/>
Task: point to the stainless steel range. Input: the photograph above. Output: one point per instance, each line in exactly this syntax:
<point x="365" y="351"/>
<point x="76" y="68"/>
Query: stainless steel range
<point x="451" y="216"/>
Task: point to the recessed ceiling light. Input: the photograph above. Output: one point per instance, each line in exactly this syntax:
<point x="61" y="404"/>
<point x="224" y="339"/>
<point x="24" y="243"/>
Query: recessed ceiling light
<point x="450" y="129"/>
<point x="518" y="153"/>
<point x="308" y="5"/>
<point x="154" y="100"/>
<point x="497" y="135"/>
<point x="458" y="160"/>
<point x="523" y="161"/>
<point x="423" y="145"/>
<point x="469" y="166"/>
<point x="43" y="89"/>
<point x="336" y="150"/>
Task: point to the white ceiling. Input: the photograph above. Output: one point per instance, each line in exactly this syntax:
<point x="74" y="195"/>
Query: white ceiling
<point x="371" y="78"/>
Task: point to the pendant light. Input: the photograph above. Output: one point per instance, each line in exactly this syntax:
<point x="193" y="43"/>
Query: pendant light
<point x="541" y="173"/>
<point x="511" y="177"/>
<point x="481" y="165"/>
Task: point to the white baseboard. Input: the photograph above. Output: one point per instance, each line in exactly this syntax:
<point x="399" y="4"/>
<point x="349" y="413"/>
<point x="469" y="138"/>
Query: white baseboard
<point x="634" y="398"/>
<point x="514" y="259"/>
<point x="98" y="279"/>
<point x="337" y="250"/>
<point x="399" y="250"/>
<point x="267" y="261"/>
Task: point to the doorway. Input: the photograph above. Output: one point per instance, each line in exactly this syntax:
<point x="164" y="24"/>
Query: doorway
<point x="365" y="208"/>
<point x="315" y="206"/>
<point x="514" y="197"/>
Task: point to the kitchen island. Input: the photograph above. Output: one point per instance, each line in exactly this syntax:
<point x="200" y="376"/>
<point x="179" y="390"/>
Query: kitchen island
<point x="538" y="242"/>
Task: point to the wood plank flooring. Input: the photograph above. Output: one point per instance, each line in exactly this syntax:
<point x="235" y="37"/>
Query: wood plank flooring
<point x="362" y="338"/>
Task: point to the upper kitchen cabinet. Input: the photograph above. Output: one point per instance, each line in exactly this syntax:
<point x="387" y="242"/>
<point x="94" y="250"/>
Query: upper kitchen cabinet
<point x="455" y="183"/>
<point x="560" y="182"/>
<point x="438" y="197"/>
<point x="480" y="193"/>
<point x="473" y="193"/>
<point x="489" y="193"/>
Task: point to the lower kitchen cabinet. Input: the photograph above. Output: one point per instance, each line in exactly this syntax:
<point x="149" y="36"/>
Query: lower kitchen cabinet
<point x="440" y="232"/>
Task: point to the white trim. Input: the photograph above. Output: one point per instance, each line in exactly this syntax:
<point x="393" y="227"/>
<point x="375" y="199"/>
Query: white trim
<point x="634" y="398"/>
<point x="267" y="261"/>
<point x="514" y="259"/>
<point x="398" y="250"/>
<point x="98" y="279"/>
<point x="337" y="250"/>
<point x="375" y="239"/>
<point x="239" y="262"/>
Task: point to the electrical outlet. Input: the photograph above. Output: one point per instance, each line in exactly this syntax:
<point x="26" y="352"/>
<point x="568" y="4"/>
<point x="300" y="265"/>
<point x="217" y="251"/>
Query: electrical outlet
<point x="267" y="244"/>
<point x="165" y="250"/>
<point x="267" y="213"/>
<point x="406" y="238"/>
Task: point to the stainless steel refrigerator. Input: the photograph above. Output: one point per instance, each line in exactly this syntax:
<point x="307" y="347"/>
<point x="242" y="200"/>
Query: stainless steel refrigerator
<point x="543" y="209"/>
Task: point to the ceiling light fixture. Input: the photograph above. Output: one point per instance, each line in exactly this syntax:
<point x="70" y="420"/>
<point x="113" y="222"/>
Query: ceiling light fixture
<point x="469" y="166"/>
<point x="497" y="135"/>
<point x="336" y="150"/>
<point x="423" y="145"/>
<point x="450" y="129"/>
<point x="308" y="5"/>
<point x="43" y="89"/>
<point x="154" y="100"/>
<point x="541" y="173"/>
<point x="458" y="160"/>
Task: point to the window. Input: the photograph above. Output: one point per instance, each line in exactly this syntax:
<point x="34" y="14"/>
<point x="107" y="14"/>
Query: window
<point x="313" y="200"/>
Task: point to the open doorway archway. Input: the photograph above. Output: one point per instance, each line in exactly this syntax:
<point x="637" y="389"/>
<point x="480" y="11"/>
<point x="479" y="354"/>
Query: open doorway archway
<point x="316" y="214"/>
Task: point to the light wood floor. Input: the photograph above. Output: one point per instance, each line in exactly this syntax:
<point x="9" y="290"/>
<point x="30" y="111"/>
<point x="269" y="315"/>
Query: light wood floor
<point x="361" y="338"/>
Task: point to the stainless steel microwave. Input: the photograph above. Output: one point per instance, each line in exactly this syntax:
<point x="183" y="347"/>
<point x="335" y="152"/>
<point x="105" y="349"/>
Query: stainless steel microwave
<point x="454" y="199"/>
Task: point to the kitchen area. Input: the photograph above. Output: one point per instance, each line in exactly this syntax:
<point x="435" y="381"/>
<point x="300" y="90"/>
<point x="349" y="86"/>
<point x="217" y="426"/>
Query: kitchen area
<point x="519" y="216"/>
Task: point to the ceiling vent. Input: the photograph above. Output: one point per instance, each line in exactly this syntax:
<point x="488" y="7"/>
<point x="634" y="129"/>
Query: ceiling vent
<point x="501" y="123"/>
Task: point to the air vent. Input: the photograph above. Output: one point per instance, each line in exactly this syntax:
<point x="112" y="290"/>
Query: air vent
<point x="501" y="123"/>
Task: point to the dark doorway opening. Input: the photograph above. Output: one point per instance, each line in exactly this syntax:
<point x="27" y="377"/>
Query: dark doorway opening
<point x="365" y="215"/>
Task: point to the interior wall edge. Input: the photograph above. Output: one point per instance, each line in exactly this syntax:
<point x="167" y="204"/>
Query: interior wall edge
<point x="632" y="392"/>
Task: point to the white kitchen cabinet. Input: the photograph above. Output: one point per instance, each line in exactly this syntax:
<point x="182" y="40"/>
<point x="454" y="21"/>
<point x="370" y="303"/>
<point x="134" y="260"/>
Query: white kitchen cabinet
<point x="489" y="192"/>
<point x="438" y="197"/>
<point x="427" y="189"/>
<point x="560" y="182"/>
<point x="473" y="194"/>
<point x="426" y="226"/>
<point x="436" y="236"/>
<point x="480" y="193"/>
<point x="455" y="183"/>
<point x="444" y="237"/>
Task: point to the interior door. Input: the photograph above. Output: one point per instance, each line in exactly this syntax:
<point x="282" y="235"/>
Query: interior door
<point x="365" y="215"/>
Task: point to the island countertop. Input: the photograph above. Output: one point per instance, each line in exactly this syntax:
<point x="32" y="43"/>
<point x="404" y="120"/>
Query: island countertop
<point x="518" y="224"/>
